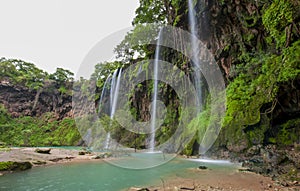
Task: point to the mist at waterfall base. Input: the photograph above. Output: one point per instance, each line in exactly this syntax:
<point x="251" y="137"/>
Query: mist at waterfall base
<point x="108" y="105"/>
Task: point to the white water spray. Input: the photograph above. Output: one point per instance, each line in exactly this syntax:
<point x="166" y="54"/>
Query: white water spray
<point x="114" y="93"/>
<point x="155" y="91"/>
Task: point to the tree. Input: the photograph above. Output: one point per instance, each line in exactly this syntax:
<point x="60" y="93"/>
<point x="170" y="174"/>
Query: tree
<point x="30" y="75"/>
<point x="62" y="75"/>
<point x="7" y="70"/>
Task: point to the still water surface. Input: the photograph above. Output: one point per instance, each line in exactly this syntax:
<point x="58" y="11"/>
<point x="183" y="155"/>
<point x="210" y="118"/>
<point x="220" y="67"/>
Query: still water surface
<point x="100" y="176"/>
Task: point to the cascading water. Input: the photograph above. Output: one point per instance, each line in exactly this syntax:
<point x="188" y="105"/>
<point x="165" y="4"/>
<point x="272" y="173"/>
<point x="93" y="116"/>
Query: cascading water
<point x="104" y="104"/>
<point x="196" y="60"/>
<point x="155" y="91"/>
<point x="111" y="106"/>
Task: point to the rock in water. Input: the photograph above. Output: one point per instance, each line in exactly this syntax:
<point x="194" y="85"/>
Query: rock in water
<point x="14" y="165"/>
<point x="138" y="189"/>
<point x="202" y="167"/>
<point x="42" y="151"/>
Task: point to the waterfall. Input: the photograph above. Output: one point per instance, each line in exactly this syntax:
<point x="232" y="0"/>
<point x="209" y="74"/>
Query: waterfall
<point x="110" y="107"/>
<point x="154" y="97"/>
<point x="104" y="107"/>
<point x="196" y="60"/>
<point x="114" y="92"/>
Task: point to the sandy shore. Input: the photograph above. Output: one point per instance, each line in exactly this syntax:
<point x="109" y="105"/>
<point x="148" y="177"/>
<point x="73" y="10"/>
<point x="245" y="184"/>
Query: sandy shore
<point x="56" y="156"/>
<point x="214" y="180"/>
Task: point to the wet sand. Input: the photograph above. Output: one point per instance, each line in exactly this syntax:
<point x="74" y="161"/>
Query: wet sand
<point x="216" y="181"/>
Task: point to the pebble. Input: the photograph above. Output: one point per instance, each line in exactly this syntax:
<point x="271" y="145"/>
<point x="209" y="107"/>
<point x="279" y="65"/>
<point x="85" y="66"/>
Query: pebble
<point x="295" y="182"/>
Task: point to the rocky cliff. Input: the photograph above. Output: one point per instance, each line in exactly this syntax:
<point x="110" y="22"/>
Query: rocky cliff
<point x="22" y="101"/>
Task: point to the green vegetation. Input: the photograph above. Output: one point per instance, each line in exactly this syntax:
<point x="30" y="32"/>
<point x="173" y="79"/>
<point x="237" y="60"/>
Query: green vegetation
<point x="43" y="131"/>
<point x="259" y="51"/>
<point x="18" y="72"/>
<point x="261" y="75"/>
<point x="10" y="165"/>
<point x="264" y="56"/>
<point x="287" y="134"/>
<point x="46" y="130"/>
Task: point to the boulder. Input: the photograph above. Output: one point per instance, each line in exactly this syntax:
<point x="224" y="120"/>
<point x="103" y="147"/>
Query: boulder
<point x="42" y="150"/>
<point x="96" y="157"/>
<point x="2" y="144"/>
<point x="202" y="167"/>
<point x="102" y="156"/>
<point x="85" y="152"/>
<point x="14" y="165"/>
<point x="138" y="189"/>
<point x="39" y="162"/>
<point x="252" y="151"/>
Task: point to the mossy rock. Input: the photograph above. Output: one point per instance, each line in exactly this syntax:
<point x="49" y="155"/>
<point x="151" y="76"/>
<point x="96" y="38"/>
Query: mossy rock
<point x="3" y="145"/>
<point x="14" y="166"/>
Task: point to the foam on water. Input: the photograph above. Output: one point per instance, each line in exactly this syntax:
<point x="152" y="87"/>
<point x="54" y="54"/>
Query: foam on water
<point x="213" y="161"/>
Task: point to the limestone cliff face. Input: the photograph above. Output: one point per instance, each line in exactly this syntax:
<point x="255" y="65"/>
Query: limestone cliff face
<point x="21" y="101"/>
<point x="231" y="29"/>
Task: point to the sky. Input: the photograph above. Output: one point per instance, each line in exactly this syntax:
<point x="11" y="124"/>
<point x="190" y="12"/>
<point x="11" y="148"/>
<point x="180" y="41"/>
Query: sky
<point x="59" y="33"/>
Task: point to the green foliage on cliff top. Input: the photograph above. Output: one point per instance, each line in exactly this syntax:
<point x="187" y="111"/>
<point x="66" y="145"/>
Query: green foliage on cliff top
<point x="19" y="72"/>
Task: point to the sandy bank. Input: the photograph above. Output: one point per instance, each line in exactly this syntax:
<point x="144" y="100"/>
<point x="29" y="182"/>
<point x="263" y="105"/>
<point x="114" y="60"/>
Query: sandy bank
<point x="56" y="155"/>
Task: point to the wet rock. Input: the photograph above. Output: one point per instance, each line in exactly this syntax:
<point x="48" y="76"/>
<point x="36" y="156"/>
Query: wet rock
<point x="102" y="156"/>
<point x="56" y="159"/>
<point x="244" y="170"/>
<point x="187" y="188"/>
<point x="138" y="189"/>
<point x="238" y="148"/>
<point x="202" y="167"/>
<point x="69" y="158"/>
<point x="84" y="152"/>
<point x="96" y="157"/>
<point x="254" y="150"/>
<point x="43" y="150"/>
<point x="39" y="162"/>
<point x="14" y="166"/>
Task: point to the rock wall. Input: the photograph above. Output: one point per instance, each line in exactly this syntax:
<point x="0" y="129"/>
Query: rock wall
<point x="21" y="101"/>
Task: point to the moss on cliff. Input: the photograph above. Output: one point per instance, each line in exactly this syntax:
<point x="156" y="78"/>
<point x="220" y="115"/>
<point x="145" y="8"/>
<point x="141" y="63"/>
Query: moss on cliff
<point x="44" y="131"/>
